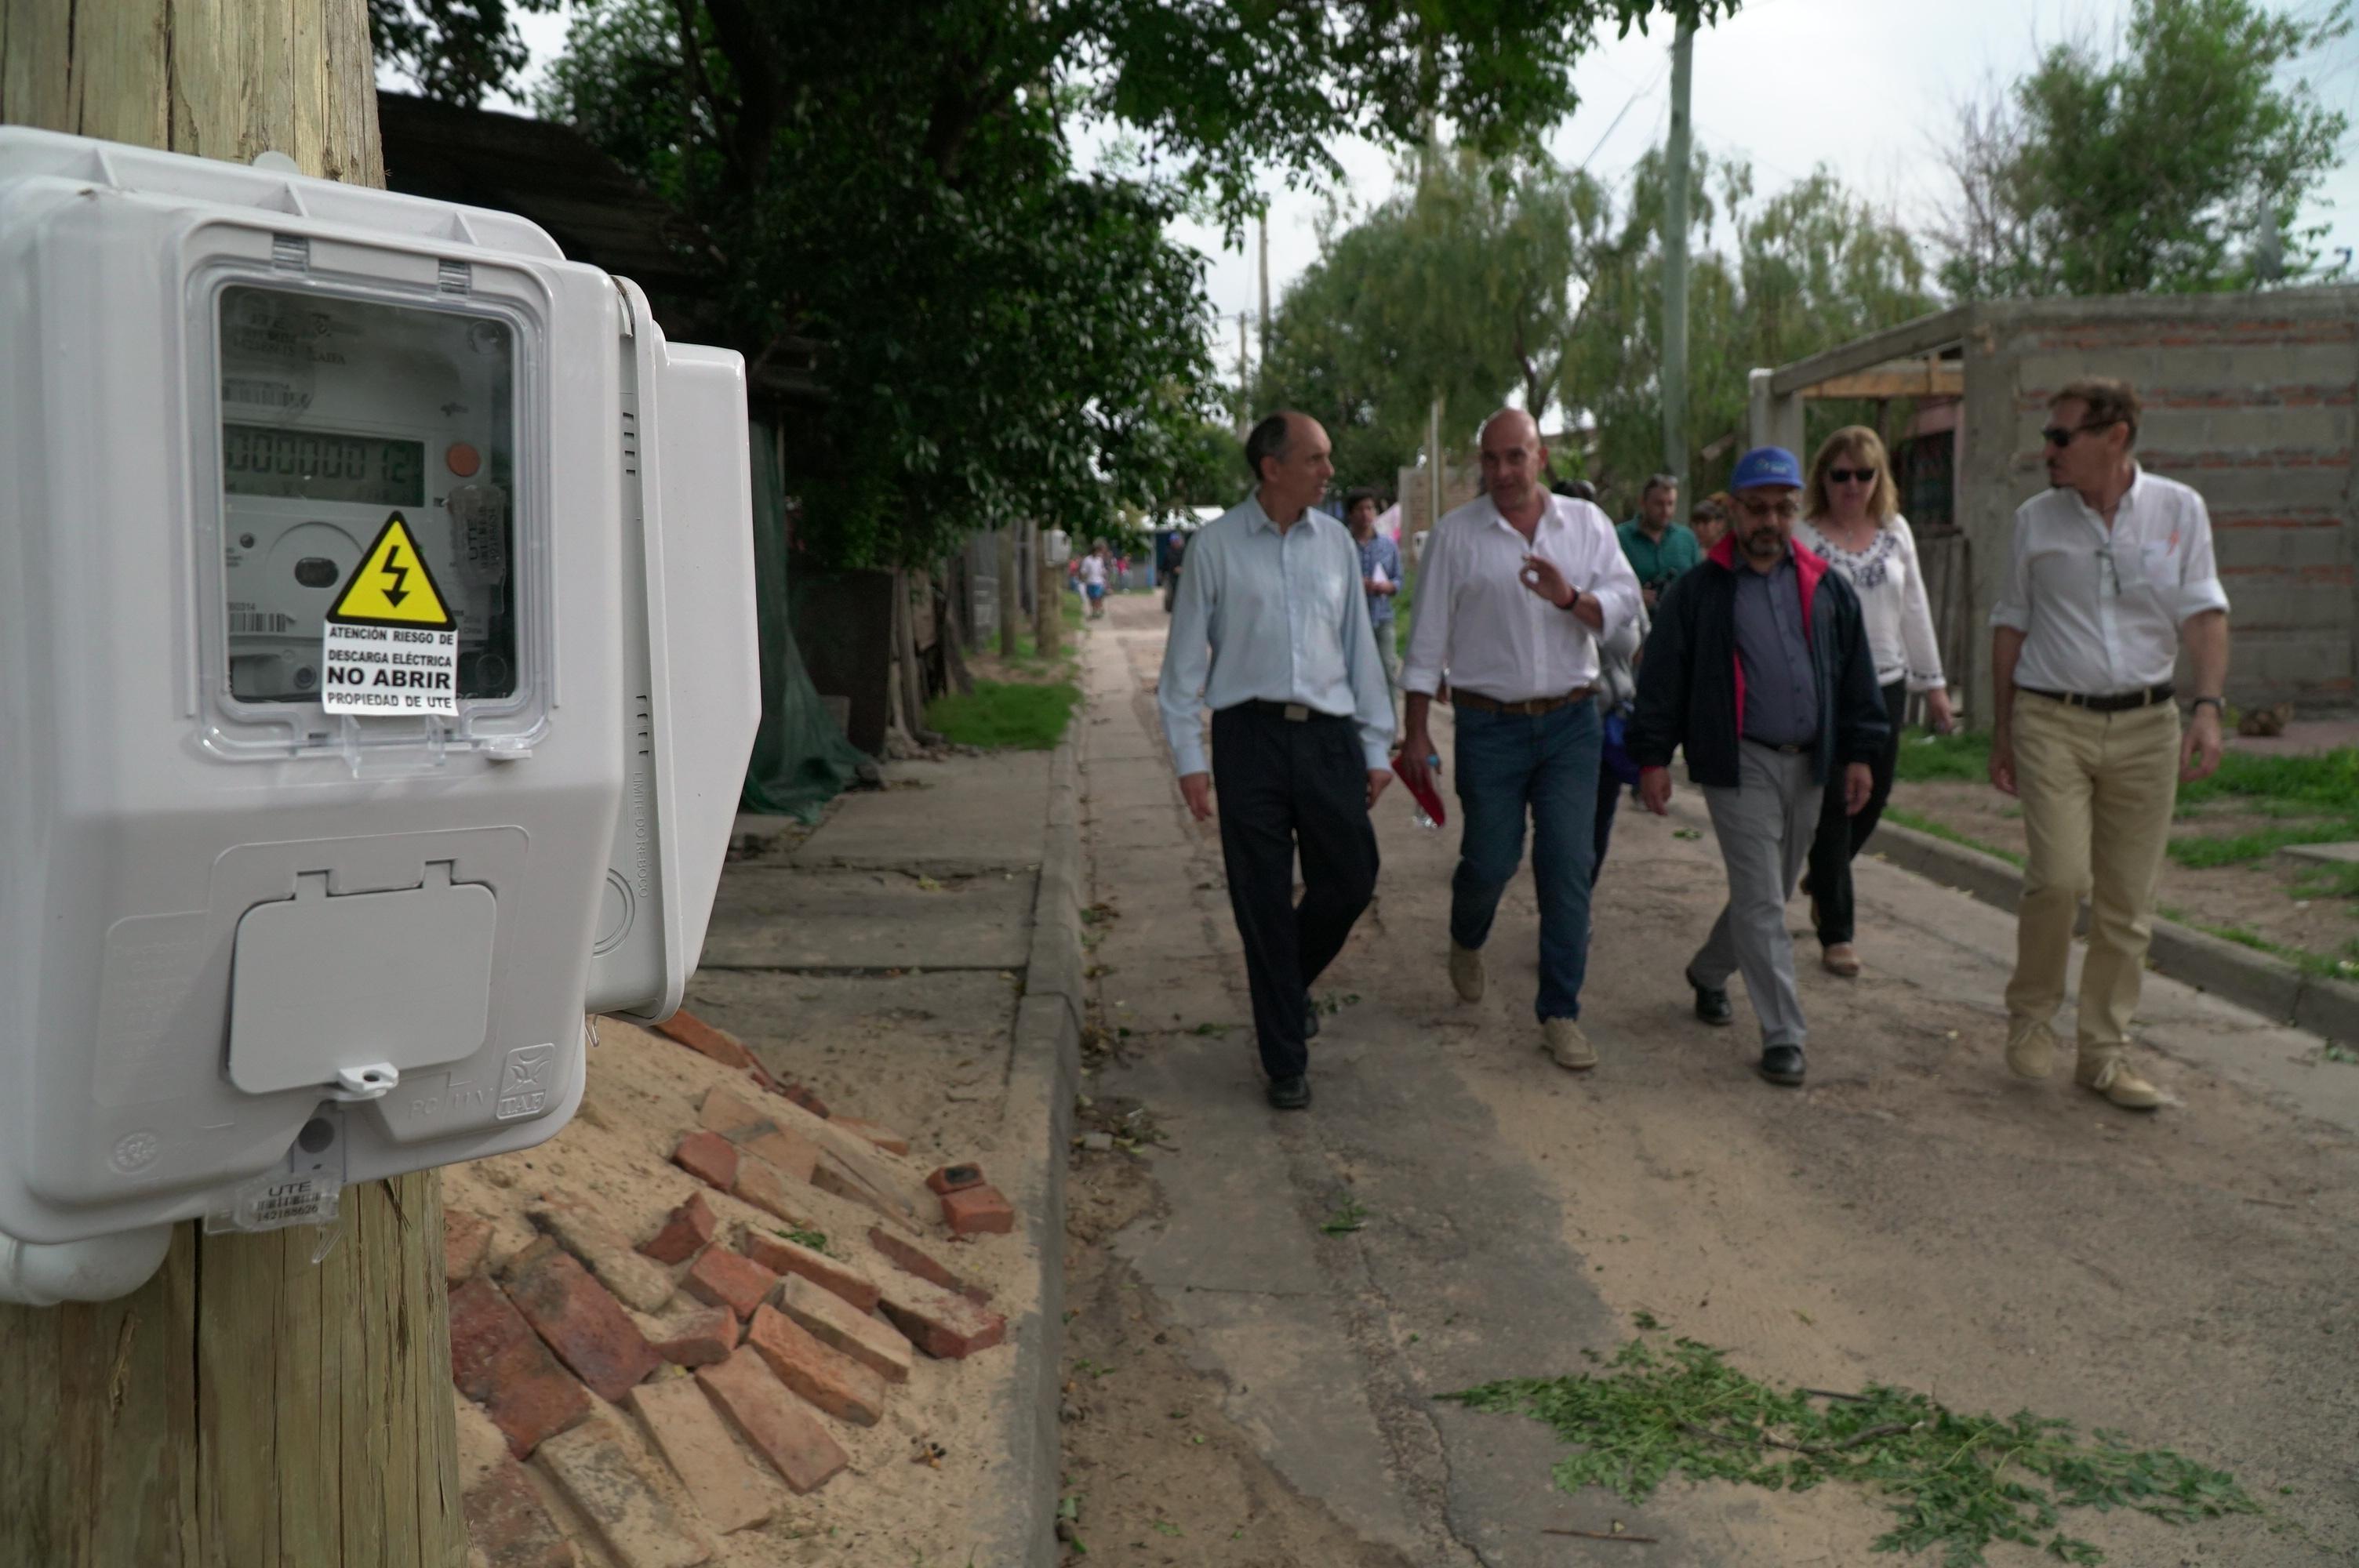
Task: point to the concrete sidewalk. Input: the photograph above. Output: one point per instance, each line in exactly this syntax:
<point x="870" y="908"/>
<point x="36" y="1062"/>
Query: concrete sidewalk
<point x="1914" y="1216"/>
<point x="918" y="956"/>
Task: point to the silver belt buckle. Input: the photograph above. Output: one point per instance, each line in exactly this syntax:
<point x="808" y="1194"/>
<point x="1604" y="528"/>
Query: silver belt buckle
<point x="1297" y="712"/>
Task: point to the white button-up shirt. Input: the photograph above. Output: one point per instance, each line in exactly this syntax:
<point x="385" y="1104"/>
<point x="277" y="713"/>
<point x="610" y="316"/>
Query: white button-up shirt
<point x="2099" y="610"/>
<point x="1474" y="620"/>
<point x="1267" y="616"/>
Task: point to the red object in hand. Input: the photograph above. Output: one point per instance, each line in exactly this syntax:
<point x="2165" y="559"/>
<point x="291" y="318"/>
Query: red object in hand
<point x="1423" y="793"/>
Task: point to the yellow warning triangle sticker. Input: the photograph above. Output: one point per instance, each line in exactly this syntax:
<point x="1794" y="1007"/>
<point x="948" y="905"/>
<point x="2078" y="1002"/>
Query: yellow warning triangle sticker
<point x="392" y="586"/>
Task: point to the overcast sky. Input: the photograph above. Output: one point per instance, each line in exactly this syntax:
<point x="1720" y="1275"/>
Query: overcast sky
<point x="1869" y="86"/>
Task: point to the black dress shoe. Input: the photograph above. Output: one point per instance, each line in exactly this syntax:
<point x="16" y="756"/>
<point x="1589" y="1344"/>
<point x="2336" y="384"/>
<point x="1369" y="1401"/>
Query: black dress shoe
<point x="1290" y="1094"/>
<point x="1782" y="1064"/>
<point x="1711" y="1004"/>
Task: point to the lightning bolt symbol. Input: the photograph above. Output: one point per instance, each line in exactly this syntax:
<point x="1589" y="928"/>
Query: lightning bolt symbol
<point x="398" y="573"/>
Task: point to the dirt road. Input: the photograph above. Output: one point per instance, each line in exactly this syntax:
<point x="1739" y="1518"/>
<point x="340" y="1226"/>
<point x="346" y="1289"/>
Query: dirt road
<point x="1254" y="1377"/>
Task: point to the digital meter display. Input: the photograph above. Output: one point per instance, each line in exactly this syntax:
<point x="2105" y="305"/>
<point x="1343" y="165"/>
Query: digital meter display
<point x="313" y="387"/>
<point x="318" y="466"/>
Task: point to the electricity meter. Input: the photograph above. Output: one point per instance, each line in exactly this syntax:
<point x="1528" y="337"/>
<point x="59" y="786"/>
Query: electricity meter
<point x="377" y="663"/>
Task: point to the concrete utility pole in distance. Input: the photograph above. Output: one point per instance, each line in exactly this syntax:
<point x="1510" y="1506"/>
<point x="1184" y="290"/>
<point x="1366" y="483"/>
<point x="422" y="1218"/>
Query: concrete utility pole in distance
<point x="1011" y="595"/>
<point x="248" y="1405"/>
<point x="1245" y="383"/>
<point x="1675" y="263"/>
<point x="1264" y="284"/>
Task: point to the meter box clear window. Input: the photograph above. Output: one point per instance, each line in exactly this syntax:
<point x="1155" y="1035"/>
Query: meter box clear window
<point x="362" y="438"/>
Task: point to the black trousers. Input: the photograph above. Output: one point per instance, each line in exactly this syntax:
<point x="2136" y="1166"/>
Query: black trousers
<point x="1283" y="784"/>
<point x="1841" y="837"/>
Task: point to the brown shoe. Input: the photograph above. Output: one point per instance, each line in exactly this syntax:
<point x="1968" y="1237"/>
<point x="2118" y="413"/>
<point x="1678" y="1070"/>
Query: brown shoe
<point x="1840" y="959"/>
<point x="2030" y="1049"/>
<point x="2108" y="1072"/>
<point x="1466" y="972"/>
<point x="1567" y="1047"/>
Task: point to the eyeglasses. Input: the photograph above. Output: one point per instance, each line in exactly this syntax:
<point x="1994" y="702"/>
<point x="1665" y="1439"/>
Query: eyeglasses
<point x="2059" y="438"/>
<point x="1851" y="476"/>
<point x="1789" y="508"/>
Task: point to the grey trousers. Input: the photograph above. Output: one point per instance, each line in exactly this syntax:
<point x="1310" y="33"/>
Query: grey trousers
<point x="1764" y="828"/>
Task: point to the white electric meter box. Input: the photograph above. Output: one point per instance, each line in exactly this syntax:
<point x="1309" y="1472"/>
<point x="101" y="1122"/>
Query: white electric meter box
<point x="1056" y="547"/>
<point x="378" y="664"/>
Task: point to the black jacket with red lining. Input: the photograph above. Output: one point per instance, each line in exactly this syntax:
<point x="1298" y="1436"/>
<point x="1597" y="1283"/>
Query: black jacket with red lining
<point x="1691" y="685"/>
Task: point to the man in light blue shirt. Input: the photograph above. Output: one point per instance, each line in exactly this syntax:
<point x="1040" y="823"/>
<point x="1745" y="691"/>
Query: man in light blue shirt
<point x="1270" y="629"/>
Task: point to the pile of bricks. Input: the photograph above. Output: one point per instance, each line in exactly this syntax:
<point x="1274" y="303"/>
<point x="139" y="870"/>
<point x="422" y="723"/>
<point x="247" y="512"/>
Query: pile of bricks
<point x="724" y="1353"/>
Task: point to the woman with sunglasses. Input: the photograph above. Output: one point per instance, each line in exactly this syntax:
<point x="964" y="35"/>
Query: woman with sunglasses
<point x="1852" y="519"/>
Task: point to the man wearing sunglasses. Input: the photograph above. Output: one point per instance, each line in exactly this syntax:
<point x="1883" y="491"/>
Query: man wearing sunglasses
<point x="1758" y="665"/>
<point x="2111" y="575"/>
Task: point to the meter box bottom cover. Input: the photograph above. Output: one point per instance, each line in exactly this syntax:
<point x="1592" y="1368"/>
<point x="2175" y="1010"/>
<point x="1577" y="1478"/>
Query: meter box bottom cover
<point x="376" y="656"/>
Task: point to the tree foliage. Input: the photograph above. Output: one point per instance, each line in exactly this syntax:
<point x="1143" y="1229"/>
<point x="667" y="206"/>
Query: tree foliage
<point x="2180" y="165"/>
<point x="456" y="50"/>
<point x="1459" y="288"/>
<point x="1008" y="333"/>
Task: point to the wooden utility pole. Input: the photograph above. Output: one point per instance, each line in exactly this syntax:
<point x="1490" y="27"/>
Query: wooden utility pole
<point x="1245" y="383"/>
<point x="1011" y="593"/>
<point x="1675" y="263"/>
<point x="248" y="1405"/>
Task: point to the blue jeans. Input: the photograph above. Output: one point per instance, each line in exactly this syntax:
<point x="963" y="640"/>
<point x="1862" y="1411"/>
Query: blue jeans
<point x="1509" y="763"/>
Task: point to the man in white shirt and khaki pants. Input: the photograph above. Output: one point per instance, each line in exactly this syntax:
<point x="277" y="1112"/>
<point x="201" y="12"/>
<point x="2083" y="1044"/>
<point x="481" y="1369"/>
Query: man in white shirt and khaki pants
<point x="2111" y="572"/>
<point x="1514" y="593"/>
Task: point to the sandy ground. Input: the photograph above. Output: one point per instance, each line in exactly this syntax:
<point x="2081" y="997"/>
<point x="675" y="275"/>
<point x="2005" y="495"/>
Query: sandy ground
<point x="1914" y="1216"/>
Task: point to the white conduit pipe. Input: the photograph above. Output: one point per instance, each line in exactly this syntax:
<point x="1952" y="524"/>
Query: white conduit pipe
<point x="100" y="1269"/>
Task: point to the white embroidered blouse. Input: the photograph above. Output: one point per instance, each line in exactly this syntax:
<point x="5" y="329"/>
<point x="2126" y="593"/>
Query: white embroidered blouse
<point x="1890" y="583"/>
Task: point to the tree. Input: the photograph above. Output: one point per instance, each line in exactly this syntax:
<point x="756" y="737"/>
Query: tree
<point x="1809" y="268"/>
<point x="1008" y="334"/>
<point x="2179" y="166"/>
<point x="1458" y="287"/>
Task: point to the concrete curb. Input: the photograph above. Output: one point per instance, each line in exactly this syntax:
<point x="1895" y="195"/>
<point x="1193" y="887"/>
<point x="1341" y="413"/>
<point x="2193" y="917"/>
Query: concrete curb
<point x="2243" y="975"/>
<point x="1044" y="1074"/>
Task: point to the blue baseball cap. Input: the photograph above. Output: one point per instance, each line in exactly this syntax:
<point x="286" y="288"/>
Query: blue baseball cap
<point x="1766" y="466"/>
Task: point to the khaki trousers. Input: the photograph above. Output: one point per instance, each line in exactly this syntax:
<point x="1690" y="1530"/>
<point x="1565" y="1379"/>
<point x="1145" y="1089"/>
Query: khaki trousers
<point x="2097" y="790"/>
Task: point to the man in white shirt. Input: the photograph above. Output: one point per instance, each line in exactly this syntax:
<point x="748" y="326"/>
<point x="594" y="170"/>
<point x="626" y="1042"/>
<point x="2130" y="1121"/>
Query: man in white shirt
<point x="1093" y="575"/>
<point x="2111" y="574"/>
<point x="1516" y="589"/>
<point x="1270" y="629"/>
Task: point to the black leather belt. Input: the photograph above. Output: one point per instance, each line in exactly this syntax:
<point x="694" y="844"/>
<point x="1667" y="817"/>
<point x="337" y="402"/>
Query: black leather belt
<point x="1292" y="712"/>
<point x="1531" y="708"/>
<point x="2112" y="702"/>
<point x="1796" y="749"/>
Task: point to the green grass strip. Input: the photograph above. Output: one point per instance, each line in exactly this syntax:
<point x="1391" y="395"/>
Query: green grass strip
<point x="1924" y="824"/>
<point x="1954" y="1483"/>
<point x="1010" y="714"/>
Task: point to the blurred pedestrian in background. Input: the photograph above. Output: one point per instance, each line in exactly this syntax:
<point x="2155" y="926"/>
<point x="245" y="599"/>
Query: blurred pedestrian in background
<point x="1380" y="577"/>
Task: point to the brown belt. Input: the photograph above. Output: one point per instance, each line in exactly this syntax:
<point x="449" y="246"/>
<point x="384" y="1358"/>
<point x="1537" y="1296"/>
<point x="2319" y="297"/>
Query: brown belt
<point x="1530" y="708"/>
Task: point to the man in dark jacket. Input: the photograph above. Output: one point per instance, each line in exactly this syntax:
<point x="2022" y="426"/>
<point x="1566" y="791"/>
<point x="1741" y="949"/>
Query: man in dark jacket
<point x="1758" y="664"/>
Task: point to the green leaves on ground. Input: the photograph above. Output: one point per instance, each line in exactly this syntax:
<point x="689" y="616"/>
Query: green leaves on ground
<point x="1956" y="1483"/>
<point x="1349" y="1216"/>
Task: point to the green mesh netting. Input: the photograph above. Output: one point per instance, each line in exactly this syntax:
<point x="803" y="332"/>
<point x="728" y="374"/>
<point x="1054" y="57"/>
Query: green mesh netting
<point x="800" y="761"/>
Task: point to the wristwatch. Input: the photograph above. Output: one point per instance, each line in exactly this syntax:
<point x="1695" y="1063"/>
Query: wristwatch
<point x="2210" y="701"/>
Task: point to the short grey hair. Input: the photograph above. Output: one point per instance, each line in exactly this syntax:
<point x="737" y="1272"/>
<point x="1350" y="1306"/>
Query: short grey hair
<point x="1270" y="438"/>
<point x="1658" y="481"/>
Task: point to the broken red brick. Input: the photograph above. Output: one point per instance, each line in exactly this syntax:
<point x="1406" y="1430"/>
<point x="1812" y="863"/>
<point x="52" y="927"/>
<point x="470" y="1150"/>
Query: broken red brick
<point x="791" y="1152"/>
<point x="781" y="1256"/>
<point x="978" y="1211"/>
<point x="727" y="1112"/>
<point x="722" y="1279"/>
<point x="905" y="1254"/>
<point x="764" y="1187"/>
<point x="724" y="1485"/>
<point x="506" y="1521"/>
<point x="836" y="1322"/>
<point x="497" y="1361"/>
<point x="697" y="1337"/>
<point x="947" y="1327"/>
<point x="581" y="1320"/>
<point x="885" y="1138"/>
<point x="604" y="1475"/>
<point x="606" y="1252"/>
<point x="465" y="1238"/>
<point x="949" y="1179"/>
<point x="827" y="1378"/>
<point x="686" y="1229"/>
<point x="708" y="1157"/>
<point x="777" y="1424"/>
<point x="801" y="1094"/>
<point x="699" y="1036"/>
